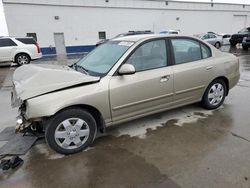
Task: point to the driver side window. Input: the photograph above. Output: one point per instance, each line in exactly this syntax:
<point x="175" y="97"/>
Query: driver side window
<point x="150" y="55"/>
<point x="212" y="36"/>
<point x="205" y="37"/>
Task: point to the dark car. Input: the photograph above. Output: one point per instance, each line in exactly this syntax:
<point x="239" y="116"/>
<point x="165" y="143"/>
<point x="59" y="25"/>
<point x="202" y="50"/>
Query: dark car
<point x="237" y="38"/>
<point x="246" y="42"/>
<point x="126" y="34"/>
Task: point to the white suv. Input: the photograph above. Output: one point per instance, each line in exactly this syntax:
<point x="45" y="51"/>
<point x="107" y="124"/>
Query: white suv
<point x="20" y="50"/>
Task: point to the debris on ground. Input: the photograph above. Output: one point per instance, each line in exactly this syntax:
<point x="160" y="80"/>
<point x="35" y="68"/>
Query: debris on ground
<point x="12" y="163"/>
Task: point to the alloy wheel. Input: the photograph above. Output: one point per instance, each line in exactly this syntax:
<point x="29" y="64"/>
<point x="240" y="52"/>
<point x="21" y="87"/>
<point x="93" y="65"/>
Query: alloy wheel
<point x="22" y="59"/>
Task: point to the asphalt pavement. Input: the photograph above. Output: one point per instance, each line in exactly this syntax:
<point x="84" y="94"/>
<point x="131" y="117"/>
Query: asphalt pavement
<point x="188" y="147"/>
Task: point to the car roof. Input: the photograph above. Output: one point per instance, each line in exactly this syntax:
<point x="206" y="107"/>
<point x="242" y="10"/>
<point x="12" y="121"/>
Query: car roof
<point x="136" y="38"/>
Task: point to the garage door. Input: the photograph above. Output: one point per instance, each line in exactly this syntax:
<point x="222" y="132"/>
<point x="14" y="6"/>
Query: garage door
<point x="239" y="22"/>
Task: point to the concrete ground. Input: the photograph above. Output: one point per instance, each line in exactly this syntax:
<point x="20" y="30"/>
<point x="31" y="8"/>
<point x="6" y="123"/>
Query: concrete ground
<point x="188" y="147"/>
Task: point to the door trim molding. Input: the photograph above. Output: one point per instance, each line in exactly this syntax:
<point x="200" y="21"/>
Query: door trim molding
<point x="142" y="101"/>
<point x="191" y="89"/>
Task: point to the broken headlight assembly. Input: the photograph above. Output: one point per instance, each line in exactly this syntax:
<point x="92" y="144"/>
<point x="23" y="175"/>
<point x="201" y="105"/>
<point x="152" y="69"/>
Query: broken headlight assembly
<point x="22" y="123"/>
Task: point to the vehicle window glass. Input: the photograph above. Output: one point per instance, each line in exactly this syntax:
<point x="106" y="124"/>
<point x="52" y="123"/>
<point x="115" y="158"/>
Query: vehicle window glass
<point x="211" y="36"/>
<point x="99" y="61"/>
<point x="6" y="42"/>
<point x="206" y="53"/>
<point x="205" y="36"/>
<point x="186" y="50"/>
<point x="226" y="36"/>
<point x="150" y="55"/>
<point x="26" y="40"/>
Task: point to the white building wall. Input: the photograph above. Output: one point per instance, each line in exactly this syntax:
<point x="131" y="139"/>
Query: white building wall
<point x="80" y="20"/>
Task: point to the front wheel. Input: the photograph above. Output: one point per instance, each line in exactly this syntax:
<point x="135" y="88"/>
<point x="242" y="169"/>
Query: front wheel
<point x="71" y="131"/>
<point x="214" y="94"/>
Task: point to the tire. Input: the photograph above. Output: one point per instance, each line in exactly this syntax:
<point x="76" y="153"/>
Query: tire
<point x="22" y="59"/>
<point x="217" y="45"/>
<point x="213" y="99"/>
<point x="71" y="131"/>
<point x="233" y="44"/>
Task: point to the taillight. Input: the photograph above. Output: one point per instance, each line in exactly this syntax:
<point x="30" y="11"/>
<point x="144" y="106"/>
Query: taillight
<point x="38" y="48"/>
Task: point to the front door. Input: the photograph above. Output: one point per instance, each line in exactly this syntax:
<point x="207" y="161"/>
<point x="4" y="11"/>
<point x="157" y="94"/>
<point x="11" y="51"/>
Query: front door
<point x="149" y="89"/>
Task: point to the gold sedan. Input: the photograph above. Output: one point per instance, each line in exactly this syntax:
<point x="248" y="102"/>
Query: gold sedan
<point x="121" y="80"/>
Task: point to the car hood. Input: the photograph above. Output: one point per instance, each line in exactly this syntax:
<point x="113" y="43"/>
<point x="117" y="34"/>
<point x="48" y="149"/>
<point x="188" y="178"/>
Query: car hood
<point x="34" y="80"/>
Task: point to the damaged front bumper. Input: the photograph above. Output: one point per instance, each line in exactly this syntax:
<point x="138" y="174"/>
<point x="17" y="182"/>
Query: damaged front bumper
<point x="15" y="101"/>
<point x="21" y="122"/>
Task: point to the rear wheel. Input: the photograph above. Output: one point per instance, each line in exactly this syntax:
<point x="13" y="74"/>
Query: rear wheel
<point x="22" y="59"/>
<point x="71" y="131"/>
<point x="217" y="45"/>
<point x="214" y="94"/>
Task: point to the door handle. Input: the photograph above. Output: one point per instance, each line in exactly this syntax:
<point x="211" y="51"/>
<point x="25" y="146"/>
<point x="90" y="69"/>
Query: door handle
<point x="209" y="67"/>
<point x="165" y="78"/>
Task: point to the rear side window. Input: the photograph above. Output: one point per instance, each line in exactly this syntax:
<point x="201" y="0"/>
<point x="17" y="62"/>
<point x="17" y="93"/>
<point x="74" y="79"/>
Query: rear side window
<point x="186" y="50"/>
<point x="26" y="40"/>
<point x="6" y="42"/>
<point x="206" y="53"/>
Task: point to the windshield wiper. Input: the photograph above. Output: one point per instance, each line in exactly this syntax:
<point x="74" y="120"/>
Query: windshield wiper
<point x="80" y="68"/>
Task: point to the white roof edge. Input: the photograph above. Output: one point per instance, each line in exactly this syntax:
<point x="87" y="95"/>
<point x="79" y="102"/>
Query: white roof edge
<point x="136" y="38"/>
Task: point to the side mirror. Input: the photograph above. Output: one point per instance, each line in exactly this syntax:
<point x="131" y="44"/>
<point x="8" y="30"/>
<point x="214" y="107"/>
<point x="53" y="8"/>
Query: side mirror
<point x="126" y="69"/>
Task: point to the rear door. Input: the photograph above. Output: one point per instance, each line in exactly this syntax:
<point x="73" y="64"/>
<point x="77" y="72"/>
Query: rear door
<point x="192" y="69"/>
<point x="7" y="48"/>
<point x="212" y="39"/>
<point x="149" y="89"/>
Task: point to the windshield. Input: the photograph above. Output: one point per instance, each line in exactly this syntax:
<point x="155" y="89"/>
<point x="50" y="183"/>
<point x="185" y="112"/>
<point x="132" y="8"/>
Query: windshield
<point x="103" y="58"/>
<point x="244" y="30"/>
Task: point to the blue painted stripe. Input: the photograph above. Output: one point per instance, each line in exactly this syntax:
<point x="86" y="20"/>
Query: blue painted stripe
<point x="69" y="49"/>
<point x="48" y="51"/>
<point x="79" y="49"/>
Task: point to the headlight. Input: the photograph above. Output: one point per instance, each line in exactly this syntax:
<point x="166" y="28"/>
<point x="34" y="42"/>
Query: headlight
<point x="244" y="39"/>
<point x="19" y="120"/>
